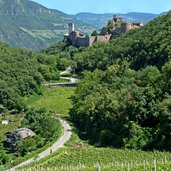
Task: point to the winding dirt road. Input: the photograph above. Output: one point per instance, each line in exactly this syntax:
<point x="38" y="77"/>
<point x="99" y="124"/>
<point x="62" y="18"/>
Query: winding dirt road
<point x="57" y="145"/>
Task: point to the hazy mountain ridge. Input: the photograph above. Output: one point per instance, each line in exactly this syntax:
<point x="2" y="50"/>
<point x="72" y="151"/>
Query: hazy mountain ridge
<point x="29" y="25"/>
<point x="100" y="20"/>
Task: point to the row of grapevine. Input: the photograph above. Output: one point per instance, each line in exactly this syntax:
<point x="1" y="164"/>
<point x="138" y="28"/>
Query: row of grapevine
<point x="90" y="159"/>
<point x="115" y="166"/>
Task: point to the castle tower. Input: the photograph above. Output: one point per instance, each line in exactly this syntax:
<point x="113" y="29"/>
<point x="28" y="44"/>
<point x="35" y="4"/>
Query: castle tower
<point x="70" y="28"/>
<point x="125" y="27"/>
<point x="117" y="19"/>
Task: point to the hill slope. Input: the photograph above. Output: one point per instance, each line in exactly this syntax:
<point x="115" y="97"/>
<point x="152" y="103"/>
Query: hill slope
<point x="127" y="104"/>
<point x="29" y="25"/>
<point x="149" y="45"/>
<point x="100" y="20"/>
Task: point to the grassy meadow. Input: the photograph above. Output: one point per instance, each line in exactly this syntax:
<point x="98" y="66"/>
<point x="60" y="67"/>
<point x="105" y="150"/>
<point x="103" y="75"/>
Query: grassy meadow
<point x="57" y="99"/>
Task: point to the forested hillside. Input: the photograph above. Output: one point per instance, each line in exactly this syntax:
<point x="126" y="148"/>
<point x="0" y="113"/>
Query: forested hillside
<point x="64" y="53"/>
<point x="124" y="101"/>
<point x="149" y="45"/>
<point x="21" y="74"/>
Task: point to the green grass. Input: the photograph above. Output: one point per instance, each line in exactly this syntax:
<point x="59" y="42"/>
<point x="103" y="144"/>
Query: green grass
<point x="55" y="99"/>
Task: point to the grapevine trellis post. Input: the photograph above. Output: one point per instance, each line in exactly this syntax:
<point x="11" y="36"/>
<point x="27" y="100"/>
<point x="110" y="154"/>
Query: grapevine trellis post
<point x="155" y="168"/>
<point x="128" y="167"/>
<point x="144" y="165"/>
<point x="98" y="166"/>
<point x="165" y="160"/>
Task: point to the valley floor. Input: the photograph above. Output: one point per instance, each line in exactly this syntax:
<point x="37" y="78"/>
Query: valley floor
<point x="78" y="155"/>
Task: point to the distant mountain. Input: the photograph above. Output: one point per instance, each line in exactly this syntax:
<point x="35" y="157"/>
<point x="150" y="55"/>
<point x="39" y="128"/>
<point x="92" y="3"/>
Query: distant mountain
<point x="100" y="20"/>
<point x="97" y="20"/>
<point x="29" y="25"/>
<point x="136" y="16"/>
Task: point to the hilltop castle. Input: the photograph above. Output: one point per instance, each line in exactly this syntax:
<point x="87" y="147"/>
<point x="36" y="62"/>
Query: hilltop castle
<point x="124" y="26"/>
<point x="78" y="39"/>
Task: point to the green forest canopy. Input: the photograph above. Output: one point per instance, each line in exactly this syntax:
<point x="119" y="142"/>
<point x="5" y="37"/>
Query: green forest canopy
<point x="21" y="74"/>
<point x="149" y="45"/>
<point x="124" y="100"/>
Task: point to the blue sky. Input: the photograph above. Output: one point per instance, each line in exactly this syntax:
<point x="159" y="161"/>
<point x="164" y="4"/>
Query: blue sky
<point x="105" y="6"/>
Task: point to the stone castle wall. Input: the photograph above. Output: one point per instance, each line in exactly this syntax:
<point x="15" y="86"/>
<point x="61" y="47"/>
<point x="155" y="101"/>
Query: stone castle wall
<point x="104" y="38"/>
<point x="82" y="41"/>
<point x="73" y="37"/>
<point x="92" y="40"/>
<point x="125" y="27"/>
<point x="87" y="41"/>
<point x="78" y="39"/>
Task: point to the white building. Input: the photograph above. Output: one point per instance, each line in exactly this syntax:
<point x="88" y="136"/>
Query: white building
<point x="5" y="122"/>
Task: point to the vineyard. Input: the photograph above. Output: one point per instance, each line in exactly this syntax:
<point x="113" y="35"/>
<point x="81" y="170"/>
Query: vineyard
<point x="103" y="159"/>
